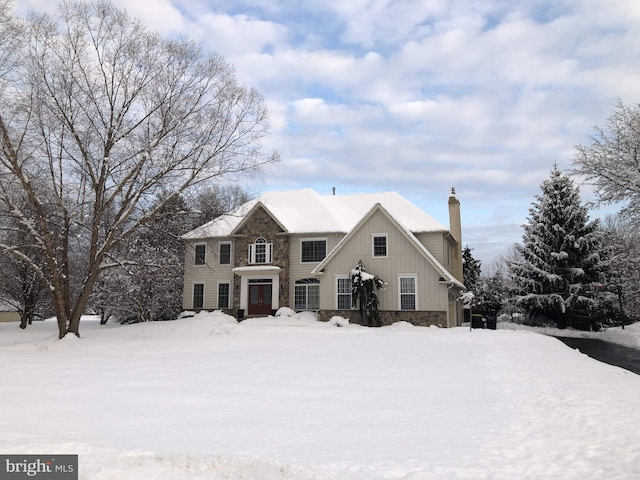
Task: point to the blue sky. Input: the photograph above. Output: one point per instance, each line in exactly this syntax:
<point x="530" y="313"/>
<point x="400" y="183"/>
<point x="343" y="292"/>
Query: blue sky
<point x="419" y="96"/>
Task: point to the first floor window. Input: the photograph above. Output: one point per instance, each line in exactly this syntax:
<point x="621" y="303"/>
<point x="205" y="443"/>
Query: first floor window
<point x="201" y="254"/>
<point x="407" y="293"/>
<point x="223" y="295"/>
<point x="198" y="296"/>
<point x="344" y="293"/>
<point x="307" y="294"/>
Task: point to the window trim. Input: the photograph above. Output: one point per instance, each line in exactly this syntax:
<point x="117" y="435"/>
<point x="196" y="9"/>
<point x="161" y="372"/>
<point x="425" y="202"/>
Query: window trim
<point x="384" y="235"/>
<point x="228" y="284"/>
<point x="414" y="276"/>
<point x="338" y="294"/>
<point x="195" y="254"/>
<point x="193" y="295"/>
<point x="268" y="252"/>
<point x="306" y="283"/>
<point x="220" y="244"/>
<point x="313" y="239"/>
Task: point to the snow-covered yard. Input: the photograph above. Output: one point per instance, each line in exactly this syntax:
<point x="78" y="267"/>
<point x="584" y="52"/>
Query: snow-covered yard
<point x="292" y="398"/>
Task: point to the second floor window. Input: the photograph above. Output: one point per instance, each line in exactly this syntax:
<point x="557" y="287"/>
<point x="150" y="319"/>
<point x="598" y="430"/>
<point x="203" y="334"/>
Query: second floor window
<point x="261" y="251"/>
<point x="201" y="254"/>
<point x="313" y="250"/>
<point x="225" y="253"/>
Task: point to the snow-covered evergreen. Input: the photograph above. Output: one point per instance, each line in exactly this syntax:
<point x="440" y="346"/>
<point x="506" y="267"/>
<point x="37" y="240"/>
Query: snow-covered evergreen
<point x="471" y="270"/>
<point x="147" y="283"/>
<point x="559" y="275"/>
<point x="363" y="294"/>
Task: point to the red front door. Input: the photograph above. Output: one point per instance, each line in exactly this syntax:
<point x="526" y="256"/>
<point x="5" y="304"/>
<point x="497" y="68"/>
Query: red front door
<point x="259" y="300"/>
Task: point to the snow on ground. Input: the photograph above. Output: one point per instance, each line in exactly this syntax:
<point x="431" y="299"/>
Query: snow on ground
<point x="291" y="398"/>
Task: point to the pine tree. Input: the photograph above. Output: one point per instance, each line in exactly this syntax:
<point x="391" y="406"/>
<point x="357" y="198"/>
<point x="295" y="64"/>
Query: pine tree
<point x="471" y="269"/>
<point x="363" y="293"/>
<point x="147" y="283"/>
<point x="557" y="278"/>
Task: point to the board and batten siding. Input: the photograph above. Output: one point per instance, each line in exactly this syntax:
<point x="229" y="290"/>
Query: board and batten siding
<point x="435" y="243"/>
<point x="210" y="274"/>
<point x="299" y="270"/>
<point x="403" y="259"/>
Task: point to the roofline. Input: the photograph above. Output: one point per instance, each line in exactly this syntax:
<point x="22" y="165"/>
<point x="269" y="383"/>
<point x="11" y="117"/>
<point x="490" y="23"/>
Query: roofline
<point x="440" y="269"/>
<point x="245" y="219"/>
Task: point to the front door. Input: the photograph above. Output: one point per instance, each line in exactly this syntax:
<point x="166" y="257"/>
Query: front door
<point x="259" y="299"/>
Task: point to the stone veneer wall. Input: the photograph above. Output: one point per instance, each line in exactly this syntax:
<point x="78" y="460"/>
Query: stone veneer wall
<point x="262" y="225"/>
<point x="389" y="317"/>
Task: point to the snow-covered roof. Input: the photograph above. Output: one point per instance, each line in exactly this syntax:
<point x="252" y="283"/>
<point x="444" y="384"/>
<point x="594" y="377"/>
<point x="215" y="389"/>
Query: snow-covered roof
<point x="446" y="275"/>
<point x="306" y="211"/>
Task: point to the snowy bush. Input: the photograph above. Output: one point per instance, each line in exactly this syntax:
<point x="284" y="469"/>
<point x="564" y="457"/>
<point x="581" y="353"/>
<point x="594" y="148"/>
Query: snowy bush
<point x="285" y="312"/>
<point x="338" y="321"/>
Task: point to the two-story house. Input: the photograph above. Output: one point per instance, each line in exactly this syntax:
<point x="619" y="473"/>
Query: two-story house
<point x="297" y="249"/>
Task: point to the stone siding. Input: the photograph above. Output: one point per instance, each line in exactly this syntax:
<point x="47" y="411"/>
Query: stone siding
<point x="389" y="317"/>
<point x="260" y="224"/>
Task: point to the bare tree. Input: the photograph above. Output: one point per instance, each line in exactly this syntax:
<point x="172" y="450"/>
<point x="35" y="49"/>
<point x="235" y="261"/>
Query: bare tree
<point x="611" y="160"/>
<point x="622" y="261"/>
<point x="100" y="117"/>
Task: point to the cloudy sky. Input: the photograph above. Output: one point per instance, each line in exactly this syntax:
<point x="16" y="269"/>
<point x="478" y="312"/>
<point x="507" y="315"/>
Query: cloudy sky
<point x="417" y="96"/>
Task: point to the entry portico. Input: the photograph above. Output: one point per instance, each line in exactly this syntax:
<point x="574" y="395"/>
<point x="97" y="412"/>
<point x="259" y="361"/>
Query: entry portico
<point x="259" y="287"/>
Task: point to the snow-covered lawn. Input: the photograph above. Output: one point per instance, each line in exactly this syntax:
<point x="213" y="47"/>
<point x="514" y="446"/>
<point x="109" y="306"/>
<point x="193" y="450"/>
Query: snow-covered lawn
<point x="292" y="398"/>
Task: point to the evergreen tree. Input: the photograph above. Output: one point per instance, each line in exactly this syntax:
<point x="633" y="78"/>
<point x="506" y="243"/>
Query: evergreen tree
<point x="558" y="277"/>
<point x="491" y="294"/>
<point x="363" y="294"/>
<point x="470" y="270"/>
<point x="145" y="283"/>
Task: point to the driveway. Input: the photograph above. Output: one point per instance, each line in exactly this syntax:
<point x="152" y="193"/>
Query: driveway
<point x="607" y="352"/>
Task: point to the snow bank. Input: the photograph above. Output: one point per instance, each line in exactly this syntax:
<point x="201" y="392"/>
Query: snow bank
<point x="629" y="336"/>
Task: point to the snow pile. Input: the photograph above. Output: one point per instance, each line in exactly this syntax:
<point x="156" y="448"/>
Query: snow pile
<point x="629" y="336"/>
<point x="285" y="312"/>
<point x="338" y="321"/>
<point x="292" y="398"/>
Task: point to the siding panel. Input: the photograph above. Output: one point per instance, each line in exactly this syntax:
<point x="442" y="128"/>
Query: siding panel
<point x="403" y="259"/>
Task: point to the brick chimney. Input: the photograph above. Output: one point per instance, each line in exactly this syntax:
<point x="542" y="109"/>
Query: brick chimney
<point x="455" y="228"/>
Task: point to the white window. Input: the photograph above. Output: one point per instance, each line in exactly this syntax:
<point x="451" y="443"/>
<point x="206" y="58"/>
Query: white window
<point x="198" y="296"/>
<point x="379" y="245"/>
<point x="407" y="292"/>
<point x="343" y="292"/>
<point x="307" y="294"/>
<point x="313" y="249"/>
<point x="224" y="253"/>
<point x="261" y="251"/>
<point x="200" y="254"/>
<point x="223" y="295"/>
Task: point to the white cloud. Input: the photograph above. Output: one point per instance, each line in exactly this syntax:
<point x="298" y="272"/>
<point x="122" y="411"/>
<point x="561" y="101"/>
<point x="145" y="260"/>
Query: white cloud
<point x="419" y="96"/>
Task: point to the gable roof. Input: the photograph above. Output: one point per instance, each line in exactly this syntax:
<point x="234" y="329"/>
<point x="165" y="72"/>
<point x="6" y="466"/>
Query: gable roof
<point x="442" y="271"/>
<point x="306" y="211"/>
